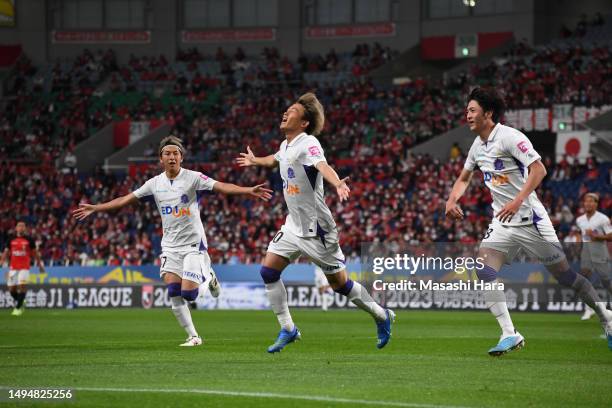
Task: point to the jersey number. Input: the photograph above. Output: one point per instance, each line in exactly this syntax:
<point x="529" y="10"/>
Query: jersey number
<point x="164" y="262"/>
<point x="488" y="233"/>
<point x="277" y="237"/>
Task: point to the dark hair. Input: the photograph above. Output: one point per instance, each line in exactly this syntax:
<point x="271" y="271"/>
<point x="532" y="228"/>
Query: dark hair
<point x="171" y="141"/>
<point x="489" y="100"/>
<point x="313" y="113"/>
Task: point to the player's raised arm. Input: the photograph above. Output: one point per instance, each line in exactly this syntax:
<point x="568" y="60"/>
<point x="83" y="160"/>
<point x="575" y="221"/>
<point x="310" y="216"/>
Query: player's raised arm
<point x="258" y="191"/>
<point x="249" y="159"/>
<point x="332" y="178"/>
<point x="537" y="172"/>
<point x="463" y="181"/>
<point x="85" y="210"/>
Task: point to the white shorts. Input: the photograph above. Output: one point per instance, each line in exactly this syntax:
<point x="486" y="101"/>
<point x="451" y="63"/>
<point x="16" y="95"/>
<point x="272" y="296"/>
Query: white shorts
<point x="325" y="253"/>
<point x="18" y="277"/>
<point x="586" y="262"/>
<point x="320" y="280"/>
<point x="537" y="239"/>
<point x="193" y="266"/>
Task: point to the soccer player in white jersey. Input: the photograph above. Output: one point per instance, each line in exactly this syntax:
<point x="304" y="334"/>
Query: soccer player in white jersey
<point x="185" y="263"/>
<point x="504" y="155"/>
<point x="309" y="229"/>
<point x="596" y="232"/>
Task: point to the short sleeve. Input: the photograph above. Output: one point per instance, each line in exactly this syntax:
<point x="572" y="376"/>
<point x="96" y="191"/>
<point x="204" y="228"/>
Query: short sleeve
<point x="203" y="182"/>
<point x="470" y="161"/>
<point x="607" y="227"/>
<point x="517" y="145"/>
<point x="313" y="152"/>
<point x="145" y="190"/>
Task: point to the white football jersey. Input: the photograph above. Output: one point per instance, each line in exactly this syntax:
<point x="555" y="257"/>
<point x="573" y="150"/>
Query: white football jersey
<point x="600" y="224"/>
<point x="308" y="216"/>
<point x="503" y="160"/>
<point x="177" y="202"/>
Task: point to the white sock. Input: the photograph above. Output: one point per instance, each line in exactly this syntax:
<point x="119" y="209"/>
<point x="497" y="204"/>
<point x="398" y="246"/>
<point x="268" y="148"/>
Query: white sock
<point x="496" y="302"/>
<point x="183" y="315"/>
<point x="277" y="295"/>
<point x="362" y="299"/>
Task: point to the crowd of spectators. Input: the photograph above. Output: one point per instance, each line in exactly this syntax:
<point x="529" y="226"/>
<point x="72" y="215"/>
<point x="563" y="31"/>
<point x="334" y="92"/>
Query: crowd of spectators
<point x="369" y="133"/>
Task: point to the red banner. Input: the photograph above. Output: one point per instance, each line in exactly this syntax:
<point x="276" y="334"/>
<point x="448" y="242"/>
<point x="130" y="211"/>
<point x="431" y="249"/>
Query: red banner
<point x="94" y="37"/>
<point x="366" y="30"/>
<point x="215" y="36"/>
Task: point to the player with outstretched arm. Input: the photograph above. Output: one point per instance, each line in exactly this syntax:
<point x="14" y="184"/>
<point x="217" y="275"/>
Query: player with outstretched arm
<point x="185" y="263"/>
<point x="512" y="170"/>
<point x="309" y="229"/>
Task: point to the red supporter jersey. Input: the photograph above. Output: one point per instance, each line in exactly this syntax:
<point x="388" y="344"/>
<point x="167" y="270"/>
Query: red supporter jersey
<point x="20" y="250"/>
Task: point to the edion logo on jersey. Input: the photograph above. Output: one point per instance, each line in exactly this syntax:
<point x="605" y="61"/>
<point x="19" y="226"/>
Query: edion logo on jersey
<point x="175" y="211"/>
<point x="522" y="146"/>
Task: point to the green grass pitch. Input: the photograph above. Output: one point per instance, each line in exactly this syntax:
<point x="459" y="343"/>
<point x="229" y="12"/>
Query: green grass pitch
<point x="131" y="358"/>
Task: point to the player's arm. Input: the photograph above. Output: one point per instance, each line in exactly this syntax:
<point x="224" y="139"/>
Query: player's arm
<point x="257" y="191"/>
<point x="249" y="159"/>
<point x="461" y="184"/>
<point x="537" y="172"/>
<point x="85" y="210"/>
<point x="332" y="178"/>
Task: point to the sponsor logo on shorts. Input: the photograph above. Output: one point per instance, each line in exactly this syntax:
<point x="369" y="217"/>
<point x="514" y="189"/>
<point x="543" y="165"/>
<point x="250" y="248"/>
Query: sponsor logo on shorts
<point x="192" y="275"/>
<point x="329" y="268"/>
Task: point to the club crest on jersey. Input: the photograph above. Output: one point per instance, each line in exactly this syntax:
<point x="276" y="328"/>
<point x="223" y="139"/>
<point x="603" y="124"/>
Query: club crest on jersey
<point x="314" y="151"/>
<point x="290" y="173"/>
<point x="522" y="146"/>
<point x="175" y="211"/>
<point x="498" y="164"/>
<point x="184" y="199"/>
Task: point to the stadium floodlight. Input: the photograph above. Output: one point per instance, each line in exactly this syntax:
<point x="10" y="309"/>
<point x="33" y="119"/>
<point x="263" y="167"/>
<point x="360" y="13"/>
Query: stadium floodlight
<point x="469" y="3"/>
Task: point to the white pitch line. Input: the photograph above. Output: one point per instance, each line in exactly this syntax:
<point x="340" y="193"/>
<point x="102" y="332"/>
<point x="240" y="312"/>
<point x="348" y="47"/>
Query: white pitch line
<point x="255" y="395"/>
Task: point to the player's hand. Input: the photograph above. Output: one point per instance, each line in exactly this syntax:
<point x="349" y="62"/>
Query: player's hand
<point x="259" y="191"/>
<point x="84" y="211"/>
<point x="343" y="189"/>
<point x="246" y="159"/>
<point x="453" y="211"/>
<point x="509" y="210"/>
